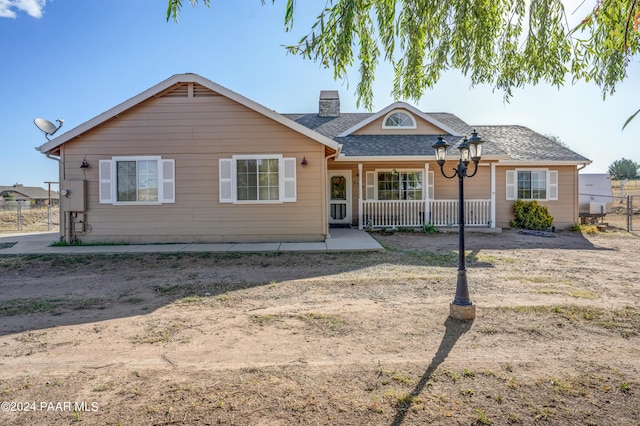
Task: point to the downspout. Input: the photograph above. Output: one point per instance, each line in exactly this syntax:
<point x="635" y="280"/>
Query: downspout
<point x="65" y="219"/>
<point x="576" y="201"/>
<point x="326" y="192"/>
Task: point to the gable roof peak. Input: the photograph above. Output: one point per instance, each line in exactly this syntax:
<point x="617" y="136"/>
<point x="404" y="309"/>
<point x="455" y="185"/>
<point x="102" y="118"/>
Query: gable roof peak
<point x="400" y="105"/>
<point x="175" y="79"/>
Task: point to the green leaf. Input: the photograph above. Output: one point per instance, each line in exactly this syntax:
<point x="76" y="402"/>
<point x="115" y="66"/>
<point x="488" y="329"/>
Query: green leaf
<point x="630" y="118"/>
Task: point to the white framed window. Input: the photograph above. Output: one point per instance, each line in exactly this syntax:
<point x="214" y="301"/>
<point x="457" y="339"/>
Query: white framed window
<point x="257" y="179"/>
<point x="395" y="185"/>
<point x="137" y="180"/>
<point x="399" y="120"/>
<point x="532" y="184"/>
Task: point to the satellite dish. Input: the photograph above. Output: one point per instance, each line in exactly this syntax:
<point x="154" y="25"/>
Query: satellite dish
<point x="47" y="127"/>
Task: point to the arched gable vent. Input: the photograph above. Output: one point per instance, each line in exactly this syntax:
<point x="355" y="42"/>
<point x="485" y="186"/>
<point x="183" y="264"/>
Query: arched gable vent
<point x="399" y="120"/>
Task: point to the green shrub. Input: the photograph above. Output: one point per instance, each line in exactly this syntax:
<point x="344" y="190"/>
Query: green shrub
<point x="584" y="229"/>
<point x="531" y="215"/>
<point x="429" y="228"/>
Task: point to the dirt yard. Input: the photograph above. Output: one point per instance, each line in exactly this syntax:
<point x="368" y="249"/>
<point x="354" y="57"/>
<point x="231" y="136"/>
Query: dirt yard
<point x="327" y="339"/>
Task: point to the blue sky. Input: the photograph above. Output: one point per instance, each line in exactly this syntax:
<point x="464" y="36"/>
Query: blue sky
<point x="74" y="59"/>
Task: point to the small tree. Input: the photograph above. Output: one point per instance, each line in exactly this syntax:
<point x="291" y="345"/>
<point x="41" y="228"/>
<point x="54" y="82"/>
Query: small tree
<point x="624" y="169"/>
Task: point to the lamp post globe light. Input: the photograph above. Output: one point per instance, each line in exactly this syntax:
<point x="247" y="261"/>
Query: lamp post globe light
<point x="470" y="151"/>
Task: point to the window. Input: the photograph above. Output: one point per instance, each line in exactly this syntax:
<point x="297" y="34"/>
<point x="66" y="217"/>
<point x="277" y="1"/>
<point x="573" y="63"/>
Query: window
<point x="137" y="180"/>
<point x="257" y="179"/>
<point x="396" y="185"/>
<point x="399" y="120"/>
<point x="534" y="184"/>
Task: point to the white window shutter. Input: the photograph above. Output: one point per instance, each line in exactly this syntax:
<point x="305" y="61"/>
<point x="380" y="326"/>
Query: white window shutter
<point x="289" y="179"/>
<point x="553" y="185"/>
<point x="431" y="187"/>
<point x="511" y="184"/>
<point x="226" y="180"/>
<point x="371" y="185"/>
<point x="168" y="181"/>
<point x="106" y="182"/>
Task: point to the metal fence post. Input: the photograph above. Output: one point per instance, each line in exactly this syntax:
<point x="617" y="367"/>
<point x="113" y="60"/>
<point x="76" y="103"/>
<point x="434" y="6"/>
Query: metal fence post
<point x="629" y="213"/>
<point x="19" y="210"/>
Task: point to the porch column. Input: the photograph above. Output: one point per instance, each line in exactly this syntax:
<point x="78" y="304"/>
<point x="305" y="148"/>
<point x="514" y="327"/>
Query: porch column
<point x="425" y="193"/>
<point x="493" y="195"/>
<point x="360" y="177"/>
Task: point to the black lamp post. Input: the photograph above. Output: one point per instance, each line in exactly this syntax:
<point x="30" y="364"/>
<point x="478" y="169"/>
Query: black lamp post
<point x="470" y="150"/>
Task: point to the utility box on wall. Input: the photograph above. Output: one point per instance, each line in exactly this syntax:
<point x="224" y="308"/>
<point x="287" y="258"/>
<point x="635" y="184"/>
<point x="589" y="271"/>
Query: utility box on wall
<point x="77" y="195"/>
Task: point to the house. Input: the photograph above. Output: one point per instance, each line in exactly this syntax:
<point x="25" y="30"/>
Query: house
<point x="191" y="161"/>
<point x="29" y="195"/>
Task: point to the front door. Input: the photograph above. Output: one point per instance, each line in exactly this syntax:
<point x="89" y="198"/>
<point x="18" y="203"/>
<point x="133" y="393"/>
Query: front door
<point x="340" y="196"/>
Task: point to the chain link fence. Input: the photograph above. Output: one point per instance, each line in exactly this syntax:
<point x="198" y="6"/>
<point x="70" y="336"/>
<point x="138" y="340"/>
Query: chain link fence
<point x="23" y="217"/>
<point x="620" y="210"/>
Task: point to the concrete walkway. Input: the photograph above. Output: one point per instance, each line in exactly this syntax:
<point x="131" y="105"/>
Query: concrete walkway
<point x="40" y="243"/>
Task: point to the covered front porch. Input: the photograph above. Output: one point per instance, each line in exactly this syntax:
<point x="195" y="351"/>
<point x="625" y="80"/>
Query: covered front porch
<point x="415" y="213"/>
<point x="407" y="194"/>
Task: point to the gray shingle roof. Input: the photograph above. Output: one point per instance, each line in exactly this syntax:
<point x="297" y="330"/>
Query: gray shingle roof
<point x="516" y="142"/>
<point x="329" y="126"/>
<point x="522" y="143"/>
<point x="394" y="145"/>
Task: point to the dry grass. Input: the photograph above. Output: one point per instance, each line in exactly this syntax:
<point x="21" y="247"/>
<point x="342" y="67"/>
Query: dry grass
<point x="34" y="220"/>
<point x="329" y="338"/>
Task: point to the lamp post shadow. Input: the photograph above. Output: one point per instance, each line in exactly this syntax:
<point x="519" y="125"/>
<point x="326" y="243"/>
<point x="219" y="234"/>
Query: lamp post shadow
<point x="454" y="329"/>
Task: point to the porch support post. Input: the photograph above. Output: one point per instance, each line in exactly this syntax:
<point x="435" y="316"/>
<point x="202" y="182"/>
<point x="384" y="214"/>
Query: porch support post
<point x="493" y="195"/>
<point x="360" y="177"/>
<point x="425" y="193"/>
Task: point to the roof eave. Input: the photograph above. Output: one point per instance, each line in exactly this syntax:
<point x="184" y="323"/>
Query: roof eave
<point x="431" y="158"/>
<point x="539" y="163"/>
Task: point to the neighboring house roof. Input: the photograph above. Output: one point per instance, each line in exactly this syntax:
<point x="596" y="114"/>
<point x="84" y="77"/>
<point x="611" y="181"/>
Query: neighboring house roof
<point x="52" y="145"/>
<point x="32" y="192"/>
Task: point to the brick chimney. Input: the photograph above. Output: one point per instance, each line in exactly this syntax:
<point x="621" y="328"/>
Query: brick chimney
<point x="329" y="103"/>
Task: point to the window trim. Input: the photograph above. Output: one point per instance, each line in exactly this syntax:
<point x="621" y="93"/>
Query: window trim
<point x="284" y="181"/>
<point x="108" y="180"/>
<point x="551" y="190"/>
<point x="376" y="173"/>
<point x="114" y="180"/>
<point x="396" y="111"/>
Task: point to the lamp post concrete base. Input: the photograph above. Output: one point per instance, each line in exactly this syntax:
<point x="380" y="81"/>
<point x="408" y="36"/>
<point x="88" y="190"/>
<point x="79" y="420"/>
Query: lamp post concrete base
<point x="462" y="312"/>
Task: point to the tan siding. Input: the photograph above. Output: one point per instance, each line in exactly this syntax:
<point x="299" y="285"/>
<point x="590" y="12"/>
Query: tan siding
<point x="564" y="210"/>
<point x="196" y="133"/>
<point x="422" y="128"/>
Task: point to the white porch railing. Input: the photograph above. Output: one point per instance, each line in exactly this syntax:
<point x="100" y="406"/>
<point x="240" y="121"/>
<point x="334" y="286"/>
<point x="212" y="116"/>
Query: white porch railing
<point x="394" y="213"/>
